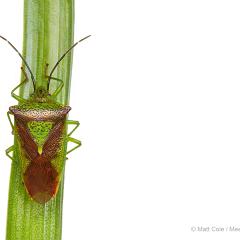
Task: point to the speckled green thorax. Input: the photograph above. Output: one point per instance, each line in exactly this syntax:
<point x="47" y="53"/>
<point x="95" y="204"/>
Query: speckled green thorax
<point x="40" y="111"/>
<point x="38" y="106"/>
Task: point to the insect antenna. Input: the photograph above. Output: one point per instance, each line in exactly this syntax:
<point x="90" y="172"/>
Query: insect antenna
<point x="25" y="62"/>
<point x="62" y="57"/>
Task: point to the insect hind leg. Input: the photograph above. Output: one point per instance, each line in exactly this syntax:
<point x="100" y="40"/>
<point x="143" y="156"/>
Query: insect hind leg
<point x="75" y="141"/>
<point x="8" y="151"/>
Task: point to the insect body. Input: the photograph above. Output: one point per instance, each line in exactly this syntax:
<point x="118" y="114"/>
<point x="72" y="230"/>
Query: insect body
<point x="41" y="137"/>
<point x="40" y="129"/>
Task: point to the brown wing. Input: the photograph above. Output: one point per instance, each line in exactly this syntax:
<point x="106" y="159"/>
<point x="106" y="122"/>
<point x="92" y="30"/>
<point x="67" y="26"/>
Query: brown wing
<point x="27" y="142"/>
<point x="53" y="142"/>
<point x="41" y="181"/>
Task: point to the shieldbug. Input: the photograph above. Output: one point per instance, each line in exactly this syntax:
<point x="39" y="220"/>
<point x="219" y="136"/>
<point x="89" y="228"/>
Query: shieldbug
<point x="41" y="135"/>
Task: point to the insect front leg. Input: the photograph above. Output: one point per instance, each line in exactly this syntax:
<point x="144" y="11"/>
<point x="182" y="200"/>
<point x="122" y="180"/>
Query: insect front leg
<point x="59" y="88"/>
<point x="77" y="142"/>
<point x="8" y="151"/>
<point x="18" y="98"/>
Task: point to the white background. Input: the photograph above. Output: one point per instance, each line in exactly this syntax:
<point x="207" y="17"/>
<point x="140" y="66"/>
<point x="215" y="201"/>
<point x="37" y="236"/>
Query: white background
<point x="157" y="92"/>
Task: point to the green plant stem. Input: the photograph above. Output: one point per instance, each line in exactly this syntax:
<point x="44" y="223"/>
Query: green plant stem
<point x="48" y="33"/>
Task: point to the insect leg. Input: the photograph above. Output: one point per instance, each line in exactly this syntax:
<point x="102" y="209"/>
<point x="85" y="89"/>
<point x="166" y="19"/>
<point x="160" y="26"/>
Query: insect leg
<point x="76" y="123"/>
<point x="73" y="140"/>
<point x="59" y="88"/>
<point x="18" y="98"/>
<point x="10" y="120"/>
<point x="8" y="151"/>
